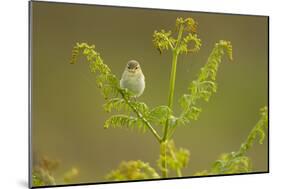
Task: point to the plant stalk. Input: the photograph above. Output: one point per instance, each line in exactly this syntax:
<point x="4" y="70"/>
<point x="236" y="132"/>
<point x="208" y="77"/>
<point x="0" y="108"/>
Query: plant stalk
<point x="171" y="91"/>
<point x="170" y="103"/>
<point x="173" y="79"/>
<point x="163" y="158"/>
<point x="149" y="126"/>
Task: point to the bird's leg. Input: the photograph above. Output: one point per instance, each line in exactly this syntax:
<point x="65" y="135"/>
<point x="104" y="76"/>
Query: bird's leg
<point x="134" y="98"/>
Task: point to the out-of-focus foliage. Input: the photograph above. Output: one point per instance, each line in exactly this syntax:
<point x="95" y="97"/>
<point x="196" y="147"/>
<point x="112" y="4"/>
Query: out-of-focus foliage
<point x="71" y="175"/>
<point x="43" y="172"/>
<point x="176" y="159"/>
<point x="238" y="162"/>
<point x="132" y="170"/>
<point x="36" y="180"/>
<point x="42" y="177"/>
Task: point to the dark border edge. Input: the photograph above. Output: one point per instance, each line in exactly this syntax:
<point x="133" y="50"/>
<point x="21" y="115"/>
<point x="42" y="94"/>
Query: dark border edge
<point x="149" y="180"/>
<point x="268" y="93"/>
<point x="29" y="94"/>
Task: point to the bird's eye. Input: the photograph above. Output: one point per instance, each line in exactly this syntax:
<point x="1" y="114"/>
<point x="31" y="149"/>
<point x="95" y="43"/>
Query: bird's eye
<point x="137" y="68"/>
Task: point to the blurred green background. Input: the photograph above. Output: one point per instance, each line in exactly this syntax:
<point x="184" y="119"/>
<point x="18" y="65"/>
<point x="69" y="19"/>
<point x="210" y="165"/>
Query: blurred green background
<point x="67" y="114"/>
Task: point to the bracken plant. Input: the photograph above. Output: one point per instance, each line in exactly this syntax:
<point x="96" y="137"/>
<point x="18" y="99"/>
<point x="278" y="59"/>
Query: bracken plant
<point x="131" y="113"/>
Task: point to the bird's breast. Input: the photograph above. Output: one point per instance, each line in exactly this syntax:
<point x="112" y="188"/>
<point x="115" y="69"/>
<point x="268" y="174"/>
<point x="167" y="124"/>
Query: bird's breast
<point x="136" y="83"/>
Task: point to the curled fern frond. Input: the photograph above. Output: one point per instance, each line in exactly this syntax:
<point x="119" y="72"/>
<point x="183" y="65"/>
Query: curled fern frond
<point x="185" y="45"/>
<point x="133" y="170"/>
<point x="179" y="21"/>
<point x="192" y="38"/>
<point x="230" y="164"/>
<point x="226" y="45"/>
<point x="238" y="162"/>
<point x="257" y="133"/>
<point x="163" y="41"/>
<point x="105" y="79"/>
<point x="204" y="86"/>
<point x="190" y="25"/>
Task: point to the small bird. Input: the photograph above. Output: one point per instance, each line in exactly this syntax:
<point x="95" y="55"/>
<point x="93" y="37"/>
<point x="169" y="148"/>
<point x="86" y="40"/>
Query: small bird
<point x="133" y="78"/>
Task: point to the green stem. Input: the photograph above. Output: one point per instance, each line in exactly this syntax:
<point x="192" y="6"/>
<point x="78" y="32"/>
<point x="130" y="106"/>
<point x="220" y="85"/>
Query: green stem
<point x="173" y="79"/>
<point x="174" y="68"/>
<point x="171" y="91"/>
<point x="179" y="172"/>
<point x="170" y="103"/>
<point x="140" y="116"/>
<point x="163" y="155"/>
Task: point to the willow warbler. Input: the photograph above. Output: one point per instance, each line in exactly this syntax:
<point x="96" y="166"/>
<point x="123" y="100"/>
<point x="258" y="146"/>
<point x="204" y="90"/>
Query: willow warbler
<point x="133" y="78"/>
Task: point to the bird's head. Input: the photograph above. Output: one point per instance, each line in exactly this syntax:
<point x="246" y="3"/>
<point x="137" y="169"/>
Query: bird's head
<point x="133" y="67"/>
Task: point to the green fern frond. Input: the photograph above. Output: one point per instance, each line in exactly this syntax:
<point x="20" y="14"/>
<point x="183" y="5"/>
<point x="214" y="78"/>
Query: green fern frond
<point x="184" y="46"/>
<point x="105" y="79"/>
<point x="163" y="41"/>
<point x="123" y="121"/>
<point x="238" y="162"/>
<point x="112" y="92"/>
<point x="117" y="104"/>
<point x="141" y="107"/>
<point x="205" y="85"/>
<point x="190" y="25"/>
<point x="132" y="170"/>
<point x="159" y="114"/>
<point x="230" y="164"/>
<point x="257" y="133"/>
<point x="121" y="104"/>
